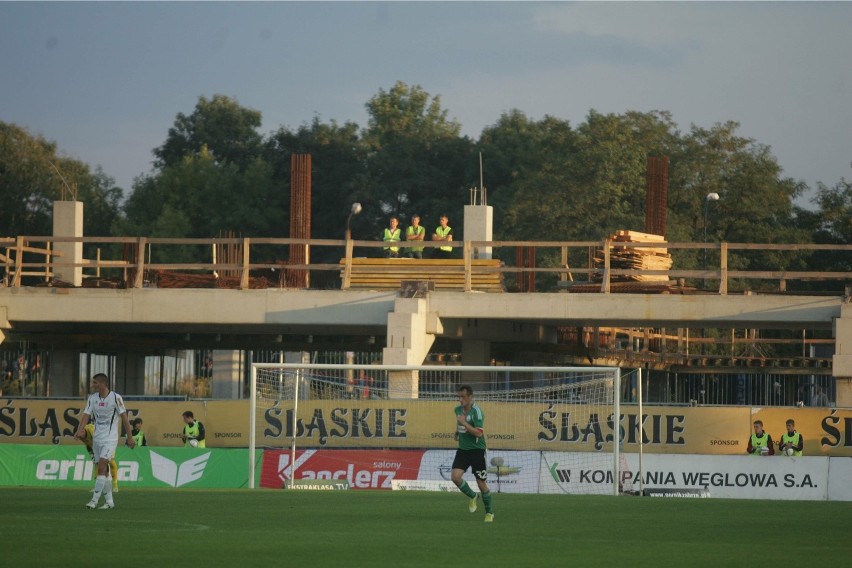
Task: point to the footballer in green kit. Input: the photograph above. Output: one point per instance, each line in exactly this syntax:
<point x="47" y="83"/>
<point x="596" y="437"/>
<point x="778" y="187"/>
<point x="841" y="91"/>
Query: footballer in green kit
<point x="470" y="433"/>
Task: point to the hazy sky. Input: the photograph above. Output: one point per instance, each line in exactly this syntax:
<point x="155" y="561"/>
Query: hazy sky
<point x="106" y="80"/>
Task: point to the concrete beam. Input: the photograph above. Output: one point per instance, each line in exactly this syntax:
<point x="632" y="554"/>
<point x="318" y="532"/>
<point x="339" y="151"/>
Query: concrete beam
<point x="269" y="307"/>
<point x="341" y="309"/>
<point x="498" y="331"/>
<point x="642" y="310"/>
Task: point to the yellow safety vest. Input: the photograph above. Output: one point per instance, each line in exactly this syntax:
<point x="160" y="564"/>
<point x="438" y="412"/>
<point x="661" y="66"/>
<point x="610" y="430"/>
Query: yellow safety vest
<point x="794" y="439"/>
<point x="139" y="437"/>
<point x="420" y="231"/>
<point x="758" y="443"/>
<point x="441" y="232"/>
<point x="390" y="237"/>
<point x="192" y="432"/>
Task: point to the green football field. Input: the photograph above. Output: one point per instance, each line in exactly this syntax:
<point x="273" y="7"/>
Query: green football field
<point x="201" y="529"/>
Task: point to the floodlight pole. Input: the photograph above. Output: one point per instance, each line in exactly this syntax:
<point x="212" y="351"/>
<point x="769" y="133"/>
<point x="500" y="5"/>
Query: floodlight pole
<point x="710" y="197"/>
<point x="356" y="208"/>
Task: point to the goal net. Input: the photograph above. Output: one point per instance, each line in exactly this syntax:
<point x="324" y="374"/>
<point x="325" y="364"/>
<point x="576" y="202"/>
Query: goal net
<point x="547" y="429"/>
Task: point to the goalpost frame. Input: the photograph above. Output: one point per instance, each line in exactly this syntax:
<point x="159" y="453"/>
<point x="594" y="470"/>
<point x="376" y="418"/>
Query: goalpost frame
<point x="616" y="403"/>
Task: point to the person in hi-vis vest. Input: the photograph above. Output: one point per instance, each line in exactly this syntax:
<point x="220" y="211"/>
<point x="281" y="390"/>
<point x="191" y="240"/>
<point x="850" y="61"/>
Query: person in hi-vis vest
<point x="137" y="432"/>
<point x="760" y="443"/>
<point x="415" y="232"/>
<point x="443" y="233"/>
<point x="193" y="431"/>
<point x="391" y="235"/>
<point x="792" y="442"/>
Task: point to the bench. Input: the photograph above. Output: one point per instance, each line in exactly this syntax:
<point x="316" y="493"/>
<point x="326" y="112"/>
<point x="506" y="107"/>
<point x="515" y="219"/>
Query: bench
<point x="443" y="274"/>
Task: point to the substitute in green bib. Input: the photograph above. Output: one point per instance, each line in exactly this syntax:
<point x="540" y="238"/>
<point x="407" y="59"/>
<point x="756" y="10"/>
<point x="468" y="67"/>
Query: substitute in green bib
<point x="470" y="433"/>
<point x="193" y="431"/>
<point x="760" y="443"/>
<point x="137" y="432"/>
<point x="792" y="442"/>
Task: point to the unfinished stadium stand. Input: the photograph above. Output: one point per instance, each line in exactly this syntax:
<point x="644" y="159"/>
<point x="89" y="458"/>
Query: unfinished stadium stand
<point x="443" y="274"/>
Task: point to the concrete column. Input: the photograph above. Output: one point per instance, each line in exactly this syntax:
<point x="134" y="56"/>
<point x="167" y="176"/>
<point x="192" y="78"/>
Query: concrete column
<point x="842" y="361"/>
<point x="64" y="374"/>
<point x="478" y="226"/>
<point x="411" y="332"/>
<point x="68" y="222"/>
<point x="4" y="324"/>
<point x="476" y="352"/>
<point x="227" y="374"/>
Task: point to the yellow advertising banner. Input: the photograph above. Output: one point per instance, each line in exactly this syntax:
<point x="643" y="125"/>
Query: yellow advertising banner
<point x="508" y="426"/>
<point x="827" y="431"/>
<point x="31" y="421"/>
<point x="430" y="424"/>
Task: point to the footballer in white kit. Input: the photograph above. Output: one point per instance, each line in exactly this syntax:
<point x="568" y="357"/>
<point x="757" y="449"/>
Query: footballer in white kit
<point x="105" y="413"/>
<point x="105" y="409"/>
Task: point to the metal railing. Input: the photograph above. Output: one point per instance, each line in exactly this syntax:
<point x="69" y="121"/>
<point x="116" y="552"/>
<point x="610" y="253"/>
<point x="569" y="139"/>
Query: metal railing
<point x="29" y="261"/>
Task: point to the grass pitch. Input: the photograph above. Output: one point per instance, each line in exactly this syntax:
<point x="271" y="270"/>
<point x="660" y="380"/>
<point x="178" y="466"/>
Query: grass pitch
<point x="161" y="527"/>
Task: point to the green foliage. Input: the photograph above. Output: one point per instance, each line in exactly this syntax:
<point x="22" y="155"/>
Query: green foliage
<point x="830" y="224"/>
<point x="338" y="177"/>
<point x="201" y="198"/>
<point x="33" y="175"/>
<point x="416" y="160"/>
<point x="547" y="179"/>
<point x="226" y="128"/>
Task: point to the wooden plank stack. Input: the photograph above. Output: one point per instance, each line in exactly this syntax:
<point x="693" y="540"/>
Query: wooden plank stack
<point x="445" y="274"/>
<point x="636" y="258"/>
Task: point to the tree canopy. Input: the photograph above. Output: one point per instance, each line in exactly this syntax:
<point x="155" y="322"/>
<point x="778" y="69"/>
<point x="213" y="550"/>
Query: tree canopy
<point x="34" y="174"/>
<point x="227" y="129"/>
<point x="547" y="179"/>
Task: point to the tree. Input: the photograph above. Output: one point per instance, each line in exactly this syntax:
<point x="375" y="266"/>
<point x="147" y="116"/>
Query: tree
<point x="755" y="202"/>
<point x="416" y="160"/>
<point x="227" y="129"/>
<point x="201" y="198"/>
<point x="338" y="176"/>
<point x="210" y="177"/>
<point x="33" y="175"/>
<point x="835" y="209"/>
<point x="552" y="181"/>
<point x="831" y="223"/>
<point x="525" y="165"/>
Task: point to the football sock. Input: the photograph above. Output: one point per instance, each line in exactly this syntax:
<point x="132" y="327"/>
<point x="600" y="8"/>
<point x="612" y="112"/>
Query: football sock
<point x="465" y="488"/>
<point x="486" y="498"/>
<point x="107" y="490"/>
<point x="100" y="483"/>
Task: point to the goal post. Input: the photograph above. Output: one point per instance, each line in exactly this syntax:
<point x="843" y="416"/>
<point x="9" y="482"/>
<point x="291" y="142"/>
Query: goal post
<point x="547" y="429"/>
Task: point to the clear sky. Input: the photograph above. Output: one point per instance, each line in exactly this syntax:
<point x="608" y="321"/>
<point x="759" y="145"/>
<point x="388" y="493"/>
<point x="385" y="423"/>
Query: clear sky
<point x="105" y="80"/>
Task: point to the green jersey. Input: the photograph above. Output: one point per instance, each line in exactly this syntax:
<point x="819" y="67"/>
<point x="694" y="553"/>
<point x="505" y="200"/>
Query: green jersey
<point x="476" y="418"/>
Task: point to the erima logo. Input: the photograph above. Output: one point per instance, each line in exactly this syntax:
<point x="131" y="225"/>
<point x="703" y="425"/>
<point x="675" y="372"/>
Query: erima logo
<point x="170" y="473"/>
<point x="80" y="469"/>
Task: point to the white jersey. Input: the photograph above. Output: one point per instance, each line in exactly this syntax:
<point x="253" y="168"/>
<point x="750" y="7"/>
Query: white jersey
<point x="105" y="413"/>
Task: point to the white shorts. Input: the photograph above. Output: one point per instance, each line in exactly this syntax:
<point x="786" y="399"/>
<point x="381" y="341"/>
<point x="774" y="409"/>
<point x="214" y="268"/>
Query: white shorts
<point x="103" y="449"/>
